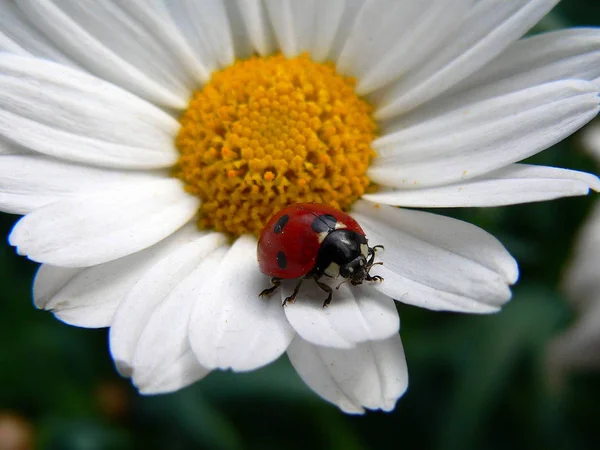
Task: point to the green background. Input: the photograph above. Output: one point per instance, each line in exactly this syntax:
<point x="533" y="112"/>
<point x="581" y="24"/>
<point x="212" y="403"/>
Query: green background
<point x="476" y="382"/>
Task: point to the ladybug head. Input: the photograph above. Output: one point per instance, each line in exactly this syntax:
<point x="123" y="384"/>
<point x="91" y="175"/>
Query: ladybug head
<point x="346" y="253"/>
<point x="356" y="270"/>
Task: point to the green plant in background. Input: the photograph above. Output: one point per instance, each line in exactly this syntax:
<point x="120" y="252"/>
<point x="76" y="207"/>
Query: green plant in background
<point x="476" y="382"/>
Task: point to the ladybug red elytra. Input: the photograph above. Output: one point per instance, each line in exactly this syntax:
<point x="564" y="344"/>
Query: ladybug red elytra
<point x="309" y="240"/>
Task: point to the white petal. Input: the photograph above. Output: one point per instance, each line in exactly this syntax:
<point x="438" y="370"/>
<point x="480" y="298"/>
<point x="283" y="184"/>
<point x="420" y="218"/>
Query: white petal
<point x="231" y="326"/>
<point x="553" y="56"/>
<point x="241" y="41"/>
<point x="308" y="26"/>
<point x="164" y="339"/>
<point x="437" y="262"/>
<point x="516" y="183"/>
<point x="89" y="297"/>
<point x="28" y="182"/>
<point x="486" y="31"/>
<point x="68" y="302"/>
<point x="150" y="299"/>
<point x="293" y="24"/>
<point x="10" y="46"/>
<point x="346" y="23"/>
<point x="257" y="26"/>
<point x="377" y="24"/>
<point x="207" y="29"/>
<point x="48" y="281"/>
<point x="481" y="137"/>
<point x="356" y="314"/>
<point x="127" y="43"/>
<point x="372" y="375"/>
<point x="103" y="226"/>
<point x="20" y="37"/>
<point x="179" y="374"/>
<point x="66" y="113"/>
<point x="367" y="54"/>
<point x="327" y="20"/>
<point x="10" y="148"/>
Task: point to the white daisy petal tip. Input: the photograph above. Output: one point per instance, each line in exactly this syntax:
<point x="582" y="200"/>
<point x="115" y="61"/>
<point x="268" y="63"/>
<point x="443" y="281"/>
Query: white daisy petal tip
<point x="124" y="368"/>
<point x="48" y="281"/>
<point x="82" y="317"/>
<point x="373" y="375"/>
<point x="89" y="297"/>
<point x="473" y="269"/>
<point x="513" y="184"/>
<point x="511" y="268"/>
<point x="347" y="407"/>
<point x="74" y="297"/>
<point x="593" y="182"/>
<point x="179" y="374"/>
<point x="75" y="232"/>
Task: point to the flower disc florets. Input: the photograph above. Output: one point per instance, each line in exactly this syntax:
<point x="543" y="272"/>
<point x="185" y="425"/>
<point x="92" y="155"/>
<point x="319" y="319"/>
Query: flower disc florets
<point x="268" y="132"/>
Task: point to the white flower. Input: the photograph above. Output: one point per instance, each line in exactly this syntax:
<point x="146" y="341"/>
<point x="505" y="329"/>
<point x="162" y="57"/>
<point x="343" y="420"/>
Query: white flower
<point x="88" y="138"/>
<point x="579" y="346"/>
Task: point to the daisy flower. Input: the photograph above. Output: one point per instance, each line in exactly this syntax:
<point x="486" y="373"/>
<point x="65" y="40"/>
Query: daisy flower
<point x="579" y="346"/>
<point x="147" y="143"/>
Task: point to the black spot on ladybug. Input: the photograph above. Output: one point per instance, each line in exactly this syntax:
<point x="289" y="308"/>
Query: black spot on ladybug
<point x="281" y="260"/>
<point x="324" y="222"/>
<point x="278" y="228"/>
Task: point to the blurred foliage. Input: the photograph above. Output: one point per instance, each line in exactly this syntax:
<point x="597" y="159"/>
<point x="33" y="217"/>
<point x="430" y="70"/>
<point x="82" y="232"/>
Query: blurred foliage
<point x="476" y="381"/>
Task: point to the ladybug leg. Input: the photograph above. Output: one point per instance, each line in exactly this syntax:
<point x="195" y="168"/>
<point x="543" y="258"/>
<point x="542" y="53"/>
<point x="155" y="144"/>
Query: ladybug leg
<point x="372" y="251"/>
<point x="276" y="282"/>
<point x="370" y="277"/>
<point x="371" y="262"/>
<point x="292" y="297"/>
<point x="373" y="278"/>
<point x="327" y="289"/>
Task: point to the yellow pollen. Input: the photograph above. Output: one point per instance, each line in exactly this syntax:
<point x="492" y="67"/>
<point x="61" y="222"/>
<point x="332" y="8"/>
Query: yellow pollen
<point x="268" y="132"/>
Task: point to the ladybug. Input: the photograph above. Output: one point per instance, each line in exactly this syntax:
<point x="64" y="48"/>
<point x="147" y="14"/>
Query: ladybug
<point x="309" y="240"/>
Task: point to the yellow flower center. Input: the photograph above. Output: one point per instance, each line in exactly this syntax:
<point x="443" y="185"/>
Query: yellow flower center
<point x="268" y="132"/>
